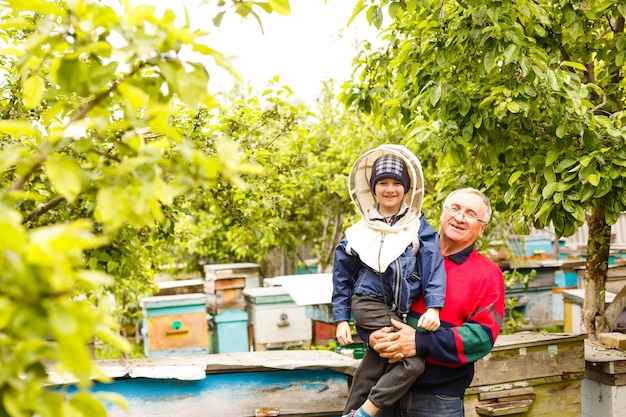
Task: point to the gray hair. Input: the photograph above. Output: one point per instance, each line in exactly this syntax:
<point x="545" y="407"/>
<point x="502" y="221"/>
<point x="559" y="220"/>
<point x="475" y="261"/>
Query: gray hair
<point x="474" y="191"/>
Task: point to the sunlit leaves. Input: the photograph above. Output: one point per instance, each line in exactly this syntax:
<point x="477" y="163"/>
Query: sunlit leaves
<point x="135" y="96"/>
<point x="19" y="129"/>
<point x="66" y="176"/>
<point x="375" y="16"/>
<point x="33" y="91"/>
<point x="190" y="86"/>
<point x="40" y="316"/>
<point x="91" y="164"/>
<point x="280" y="6"/>
<point x="85" y="403"/>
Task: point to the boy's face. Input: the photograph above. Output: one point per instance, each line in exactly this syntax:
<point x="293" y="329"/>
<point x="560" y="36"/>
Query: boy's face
<point x="389" y="193"/>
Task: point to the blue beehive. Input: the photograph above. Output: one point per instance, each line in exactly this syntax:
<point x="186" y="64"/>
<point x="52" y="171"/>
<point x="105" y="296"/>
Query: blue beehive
<point x="540" y="246"/>
<point x="230" y="334"/>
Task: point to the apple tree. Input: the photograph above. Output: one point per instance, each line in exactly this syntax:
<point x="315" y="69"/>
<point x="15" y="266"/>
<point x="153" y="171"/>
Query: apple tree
<point x="524" y="100"/>
<point x="91" y="166"/>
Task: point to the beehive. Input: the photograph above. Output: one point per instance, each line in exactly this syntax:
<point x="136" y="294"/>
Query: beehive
<point x="175" y="325"/>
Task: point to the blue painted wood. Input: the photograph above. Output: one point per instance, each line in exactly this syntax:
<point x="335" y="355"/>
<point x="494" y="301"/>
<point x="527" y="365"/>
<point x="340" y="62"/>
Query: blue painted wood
<point x="163" y="305"/>
<point x="302" y="392"/>
<point x="166" y="353"/>
<point x="230" y="332"/>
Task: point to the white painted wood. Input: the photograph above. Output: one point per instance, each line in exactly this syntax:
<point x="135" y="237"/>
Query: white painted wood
<point x="601" y="400"/>
<point x="280" y="323"/>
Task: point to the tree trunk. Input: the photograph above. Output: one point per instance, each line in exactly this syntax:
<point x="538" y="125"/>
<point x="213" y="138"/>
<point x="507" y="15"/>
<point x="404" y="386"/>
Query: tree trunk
<point x="594" y="320"/>
<point x="326" y="254"/>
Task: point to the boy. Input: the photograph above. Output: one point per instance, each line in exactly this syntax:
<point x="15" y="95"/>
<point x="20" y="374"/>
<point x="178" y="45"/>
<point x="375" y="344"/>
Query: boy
<point x="387" y="258"/>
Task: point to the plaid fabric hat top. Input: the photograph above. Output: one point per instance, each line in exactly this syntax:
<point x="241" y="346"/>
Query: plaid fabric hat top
<point x="389" y="167"/>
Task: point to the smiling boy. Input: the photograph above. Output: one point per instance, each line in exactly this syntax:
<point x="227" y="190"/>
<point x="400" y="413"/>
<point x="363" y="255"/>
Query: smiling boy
<point x="386" y="259"/>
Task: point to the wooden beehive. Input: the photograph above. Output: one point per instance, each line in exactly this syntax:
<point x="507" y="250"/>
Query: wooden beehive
<point x="276" y="320"/>
<point x="175" y="325"/>
<point x="604" y="386"/>
<point x="224" y="291"/>
<point x="529" y="374"/>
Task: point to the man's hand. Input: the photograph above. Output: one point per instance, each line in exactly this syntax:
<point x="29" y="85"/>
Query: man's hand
<point x="394" y="343"/>
<point x="344" y="333"/>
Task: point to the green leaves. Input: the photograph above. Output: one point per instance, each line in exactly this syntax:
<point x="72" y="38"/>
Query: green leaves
<point x="190" y="86"/>
<point x="280" y="6"/>
<point x="41" y="317"/>
<point x="93" y="158"/>
<point x="19" y="129"/>
<point x="66" y="175"/>
<point x="34" y="89"/>
<point x="510" y="80"/>
<point x="490" y="58"/>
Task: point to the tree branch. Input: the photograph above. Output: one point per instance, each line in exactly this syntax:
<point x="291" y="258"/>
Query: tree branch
<point x="599" y="106"/>
<point x="43" y="209"/>
<point x="81" y="113"/>
<point x="105" y="154"/>
<point x="616" y="307"/>
<point x="19" y="183"/>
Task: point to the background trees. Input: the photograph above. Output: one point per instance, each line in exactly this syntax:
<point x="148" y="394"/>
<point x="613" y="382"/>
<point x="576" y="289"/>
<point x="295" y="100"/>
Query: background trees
<point x="116" y="162"/>
<point x="93" y="166"/>
<point x="522" y="99"/>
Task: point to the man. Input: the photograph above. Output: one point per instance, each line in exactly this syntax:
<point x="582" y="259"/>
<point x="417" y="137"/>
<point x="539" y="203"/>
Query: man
<point x="470" y="319"/>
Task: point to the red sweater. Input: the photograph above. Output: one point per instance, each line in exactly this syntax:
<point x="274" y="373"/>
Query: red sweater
<point x="470" y="323"/>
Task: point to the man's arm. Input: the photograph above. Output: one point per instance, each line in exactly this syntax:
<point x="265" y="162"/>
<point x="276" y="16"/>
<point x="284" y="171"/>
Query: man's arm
<point x="461" y="344"/>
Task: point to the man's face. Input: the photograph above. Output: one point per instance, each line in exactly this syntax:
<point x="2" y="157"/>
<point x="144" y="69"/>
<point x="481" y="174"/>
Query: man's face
<point x="461" y="219"/>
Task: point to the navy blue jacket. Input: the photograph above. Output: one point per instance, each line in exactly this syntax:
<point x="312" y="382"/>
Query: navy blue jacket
<point x="404" y="279"/>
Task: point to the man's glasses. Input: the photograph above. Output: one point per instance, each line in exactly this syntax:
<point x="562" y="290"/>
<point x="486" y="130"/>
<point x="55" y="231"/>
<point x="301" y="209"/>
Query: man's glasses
<point x="469" y="215"/>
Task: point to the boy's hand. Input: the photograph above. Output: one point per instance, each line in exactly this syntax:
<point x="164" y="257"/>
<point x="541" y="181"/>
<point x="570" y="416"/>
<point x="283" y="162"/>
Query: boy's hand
<point x="344" y="333"/>
<point x="429" y="320"/>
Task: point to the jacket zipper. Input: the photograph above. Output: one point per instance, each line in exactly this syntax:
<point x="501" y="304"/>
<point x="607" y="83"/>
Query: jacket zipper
<point x="396" y="294"/>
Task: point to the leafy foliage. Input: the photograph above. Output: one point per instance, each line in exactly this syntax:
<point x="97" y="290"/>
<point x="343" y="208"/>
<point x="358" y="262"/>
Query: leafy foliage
<point x="90" y="162"/>
<point x="514" y="319"/>
<point x="522" y="99"/>
<point x="292" y="194"/>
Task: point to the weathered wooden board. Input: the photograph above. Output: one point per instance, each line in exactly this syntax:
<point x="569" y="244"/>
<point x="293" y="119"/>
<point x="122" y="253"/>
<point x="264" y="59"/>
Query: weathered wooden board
<point x="297" y="383"/>
<point x="238" y="394"/>
<point x="177" y="287"/>
<point x="529" y="374"/>
<point x="238" y="362"/>
<point x="601" y="360"/>
<point x="554" y="397"/>
<point x="213" y="285"/>
<point x="530" y="355"/>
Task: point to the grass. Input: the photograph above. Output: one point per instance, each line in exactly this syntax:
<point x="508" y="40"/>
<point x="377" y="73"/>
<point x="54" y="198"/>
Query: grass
<point x="105" y="351"/>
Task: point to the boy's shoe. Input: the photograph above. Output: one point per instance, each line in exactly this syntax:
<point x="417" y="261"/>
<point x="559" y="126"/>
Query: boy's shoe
<point x="357" y="413"/>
